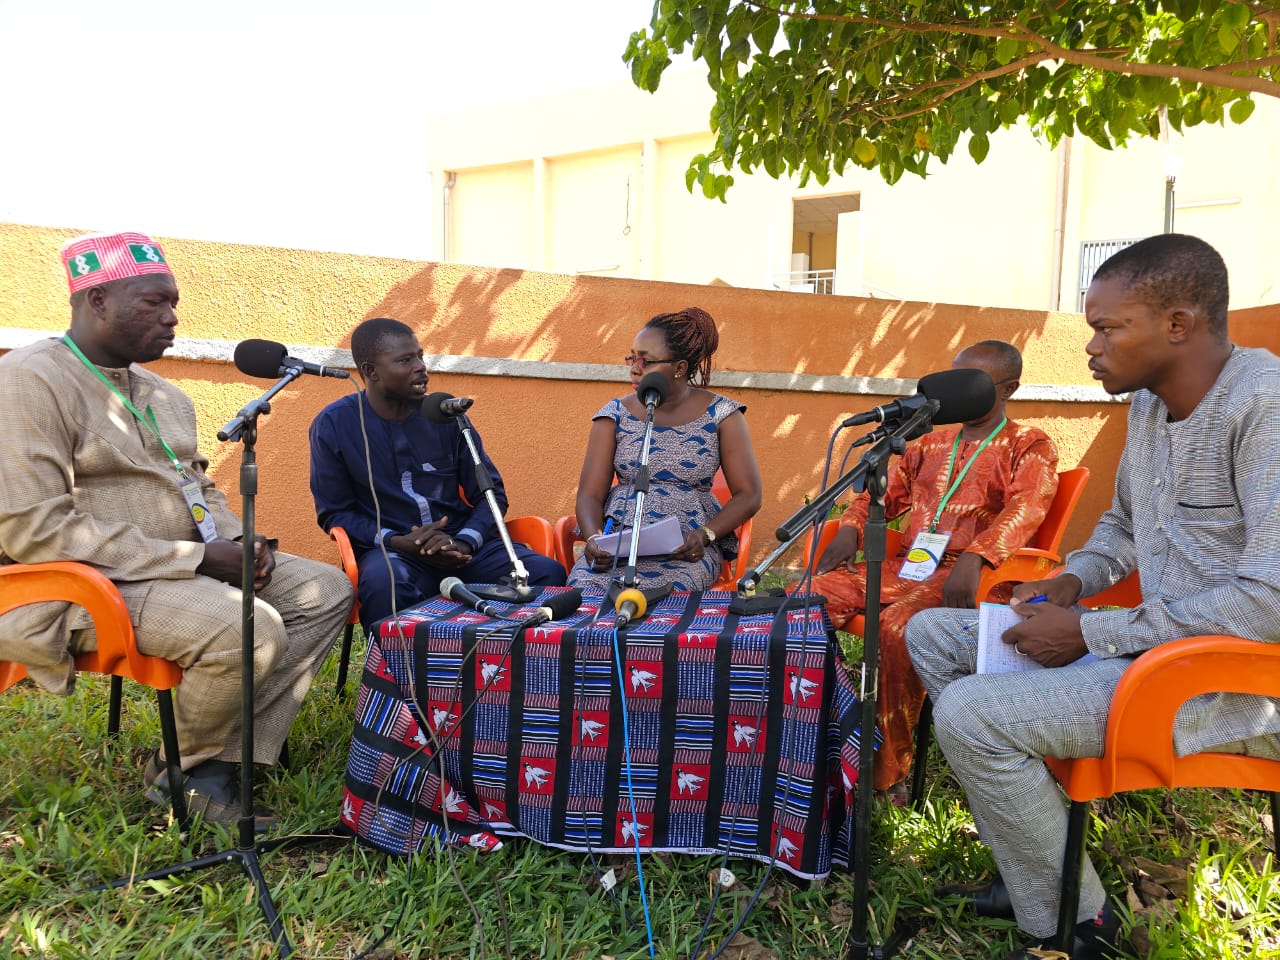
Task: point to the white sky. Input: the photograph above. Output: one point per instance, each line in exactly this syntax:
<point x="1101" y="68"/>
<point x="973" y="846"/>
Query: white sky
<point x="275" y="122"/>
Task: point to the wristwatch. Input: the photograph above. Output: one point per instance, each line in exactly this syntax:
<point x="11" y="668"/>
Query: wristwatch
<point x="711" y="535"/>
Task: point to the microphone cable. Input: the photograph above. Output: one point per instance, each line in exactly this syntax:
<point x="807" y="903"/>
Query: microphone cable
<point x="579" y="680"/>
<point x="635" y="820"/>
<point x="446" y="839"/>
<point x="613" y="563"/>
<point x="579" y="694"/>
<point x="781" y="805"/>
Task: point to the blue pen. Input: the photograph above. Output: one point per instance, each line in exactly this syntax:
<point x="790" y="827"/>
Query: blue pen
<point x="608" y="525"/>
<point x="1040" y="599"/>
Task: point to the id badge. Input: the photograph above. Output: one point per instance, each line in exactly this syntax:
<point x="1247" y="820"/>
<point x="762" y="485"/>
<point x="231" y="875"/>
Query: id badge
<point x="190" y="488"/>
<point x="924" y="556"/>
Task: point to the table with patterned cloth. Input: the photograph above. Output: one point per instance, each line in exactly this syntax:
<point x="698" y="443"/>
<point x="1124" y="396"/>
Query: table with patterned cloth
<point x="742" y="732"/>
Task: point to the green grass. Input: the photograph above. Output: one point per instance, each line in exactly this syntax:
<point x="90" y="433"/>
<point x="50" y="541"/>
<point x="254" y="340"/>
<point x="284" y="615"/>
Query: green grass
<point x="72" y="814"/>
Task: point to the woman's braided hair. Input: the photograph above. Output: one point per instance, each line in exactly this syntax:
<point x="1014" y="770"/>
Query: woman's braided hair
<point x="691" y="336"/>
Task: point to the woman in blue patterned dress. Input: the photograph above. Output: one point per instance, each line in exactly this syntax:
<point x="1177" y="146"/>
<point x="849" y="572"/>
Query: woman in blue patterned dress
<point x="696" y="432"/>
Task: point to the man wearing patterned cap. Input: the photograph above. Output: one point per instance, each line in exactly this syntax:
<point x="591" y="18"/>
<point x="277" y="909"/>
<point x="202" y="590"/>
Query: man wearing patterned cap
<point x="99" y="464"/>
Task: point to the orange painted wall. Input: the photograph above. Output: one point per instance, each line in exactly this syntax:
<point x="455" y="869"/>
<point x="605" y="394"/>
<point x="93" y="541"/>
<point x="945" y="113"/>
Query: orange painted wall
<point x="536" y="429"/>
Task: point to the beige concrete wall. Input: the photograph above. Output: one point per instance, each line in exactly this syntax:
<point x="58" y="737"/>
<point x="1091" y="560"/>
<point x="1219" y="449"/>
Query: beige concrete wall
<point x="608" y="183"/>
<point x="1226" y="191"/>
<point x="497" y="220"/>
<point x="536" y="426"/>
<point x="970" y="233"/>
<point x="744" y="241"/>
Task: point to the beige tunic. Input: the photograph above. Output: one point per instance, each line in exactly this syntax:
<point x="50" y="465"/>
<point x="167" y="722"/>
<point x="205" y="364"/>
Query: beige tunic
<point x="82" y="479"/>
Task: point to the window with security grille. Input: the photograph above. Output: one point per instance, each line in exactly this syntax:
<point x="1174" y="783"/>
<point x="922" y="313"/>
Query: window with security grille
<point x="1093" y="254"/>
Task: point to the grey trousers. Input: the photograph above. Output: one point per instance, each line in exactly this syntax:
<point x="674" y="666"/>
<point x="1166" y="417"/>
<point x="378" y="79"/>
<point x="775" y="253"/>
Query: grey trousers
<point x="995" y="729"/>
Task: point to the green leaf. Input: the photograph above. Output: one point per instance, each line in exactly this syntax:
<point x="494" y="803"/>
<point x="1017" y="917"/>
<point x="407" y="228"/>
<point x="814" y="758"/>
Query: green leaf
<point x="764" y="30"/>
<point x="1236" y="15"/>
<point x="1228" y="39"/>
<point x="1241" y="110"/>
<point x="978" y="147"/>
<point x="691" y="174"/>
<point x="1006" y="50"/>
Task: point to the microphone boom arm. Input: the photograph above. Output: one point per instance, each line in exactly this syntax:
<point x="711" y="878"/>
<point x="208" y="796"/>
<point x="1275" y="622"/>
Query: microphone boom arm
<point x="891" y="442"/>
<point x="642" y="491"/>
<point x="484" y="480"/>
<point x="236" y="425"/>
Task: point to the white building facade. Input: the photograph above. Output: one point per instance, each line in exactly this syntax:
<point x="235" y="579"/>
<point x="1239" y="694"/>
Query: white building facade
<point x="594" y="182"/>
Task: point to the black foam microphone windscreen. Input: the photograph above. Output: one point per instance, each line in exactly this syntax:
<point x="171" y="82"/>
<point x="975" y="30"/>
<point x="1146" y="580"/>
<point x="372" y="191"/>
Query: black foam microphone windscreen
<point x="260" y="358"/>
<point x="443" y="407"/>
<point x="654" y="388"/>
<point x="560" y="605"/>
<point x="961" y="395"/>
<point x="268" y="359"/>
<point x="966" y="393"/>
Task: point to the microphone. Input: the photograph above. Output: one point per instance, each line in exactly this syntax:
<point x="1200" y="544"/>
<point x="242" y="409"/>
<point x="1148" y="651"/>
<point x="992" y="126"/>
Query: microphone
<point x="268" y="359"/>
<point x="653" y="388"/>
<point x="459" y="592"/>
<point x="629" y="605"/>
<point x="443" y="407"/>
<point x="557" y="607"/>
<point x="962" y="395"/>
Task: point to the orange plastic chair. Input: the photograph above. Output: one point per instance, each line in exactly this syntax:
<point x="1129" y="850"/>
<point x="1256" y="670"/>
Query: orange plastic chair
<point x="1037" y="559"/>
<point x="1138" y="753"/>
<point x="346" y="560"/>
<point x="566" y="535"/>
<point x="117" y="655"/>
<point x="534" y="532"/>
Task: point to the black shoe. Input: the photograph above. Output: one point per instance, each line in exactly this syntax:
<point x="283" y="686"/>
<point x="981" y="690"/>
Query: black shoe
<point x="1094" y="940"/>
<point x="989" y="901"/>
<point x="211" y="791"/>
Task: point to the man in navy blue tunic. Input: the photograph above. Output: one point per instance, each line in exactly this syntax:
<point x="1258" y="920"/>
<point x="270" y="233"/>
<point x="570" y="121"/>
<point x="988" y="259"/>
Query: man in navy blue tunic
<point x="419" y="471"/>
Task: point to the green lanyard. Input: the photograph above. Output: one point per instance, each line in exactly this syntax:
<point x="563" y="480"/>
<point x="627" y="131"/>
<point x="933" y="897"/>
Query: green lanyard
<point x="942" y="505"/>
<point x="148" y="421"/>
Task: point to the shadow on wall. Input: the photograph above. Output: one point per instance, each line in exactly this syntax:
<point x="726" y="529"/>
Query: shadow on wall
<point x="789" y="357"/>
<point x="536" y="429"/>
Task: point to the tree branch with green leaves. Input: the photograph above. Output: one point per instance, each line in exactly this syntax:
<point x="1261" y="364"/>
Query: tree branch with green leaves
<point x="812" y="88"/>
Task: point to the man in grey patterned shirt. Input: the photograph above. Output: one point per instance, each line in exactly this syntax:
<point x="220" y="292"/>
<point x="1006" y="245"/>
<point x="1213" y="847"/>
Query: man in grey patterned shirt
<point x="1194" y="513"/>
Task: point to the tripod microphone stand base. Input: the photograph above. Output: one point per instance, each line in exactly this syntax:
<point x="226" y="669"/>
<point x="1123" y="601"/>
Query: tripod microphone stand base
<point x="247" y="859"/>
<point x="900" y="938"/>
<point x="504" y="591"/>
<point x="652" y="595"/>
<point x="768" y="600"/>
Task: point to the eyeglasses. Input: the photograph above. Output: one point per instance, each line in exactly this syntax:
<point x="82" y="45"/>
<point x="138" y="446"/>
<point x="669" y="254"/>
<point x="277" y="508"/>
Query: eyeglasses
<point x="631" y="360"/>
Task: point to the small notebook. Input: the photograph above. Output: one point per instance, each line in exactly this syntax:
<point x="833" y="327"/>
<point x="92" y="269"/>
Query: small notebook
<point x="657" y="539"/>
<point x="996" y="656"/>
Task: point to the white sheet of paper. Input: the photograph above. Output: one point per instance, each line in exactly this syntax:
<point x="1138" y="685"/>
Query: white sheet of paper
<point x="657" y="539"/>
<point x="996" y="656"/>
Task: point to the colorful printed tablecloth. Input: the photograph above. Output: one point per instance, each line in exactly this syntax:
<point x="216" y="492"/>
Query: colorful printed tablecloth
<point x="741" y="730"/>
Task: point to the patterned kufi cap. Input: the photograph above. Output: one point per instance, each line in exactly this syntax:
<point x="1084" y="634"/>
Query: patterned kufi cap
<point x="101" y="257"/>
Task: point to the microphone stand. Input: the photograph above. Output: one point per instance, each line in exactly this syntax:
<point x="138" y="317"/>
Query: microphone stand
<point x="874" y="466"/>
<point x="243" y="427"/>
<point x="870" y="473"/>
<point x="516" y="589"/>
<point x="628" y="582"/>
